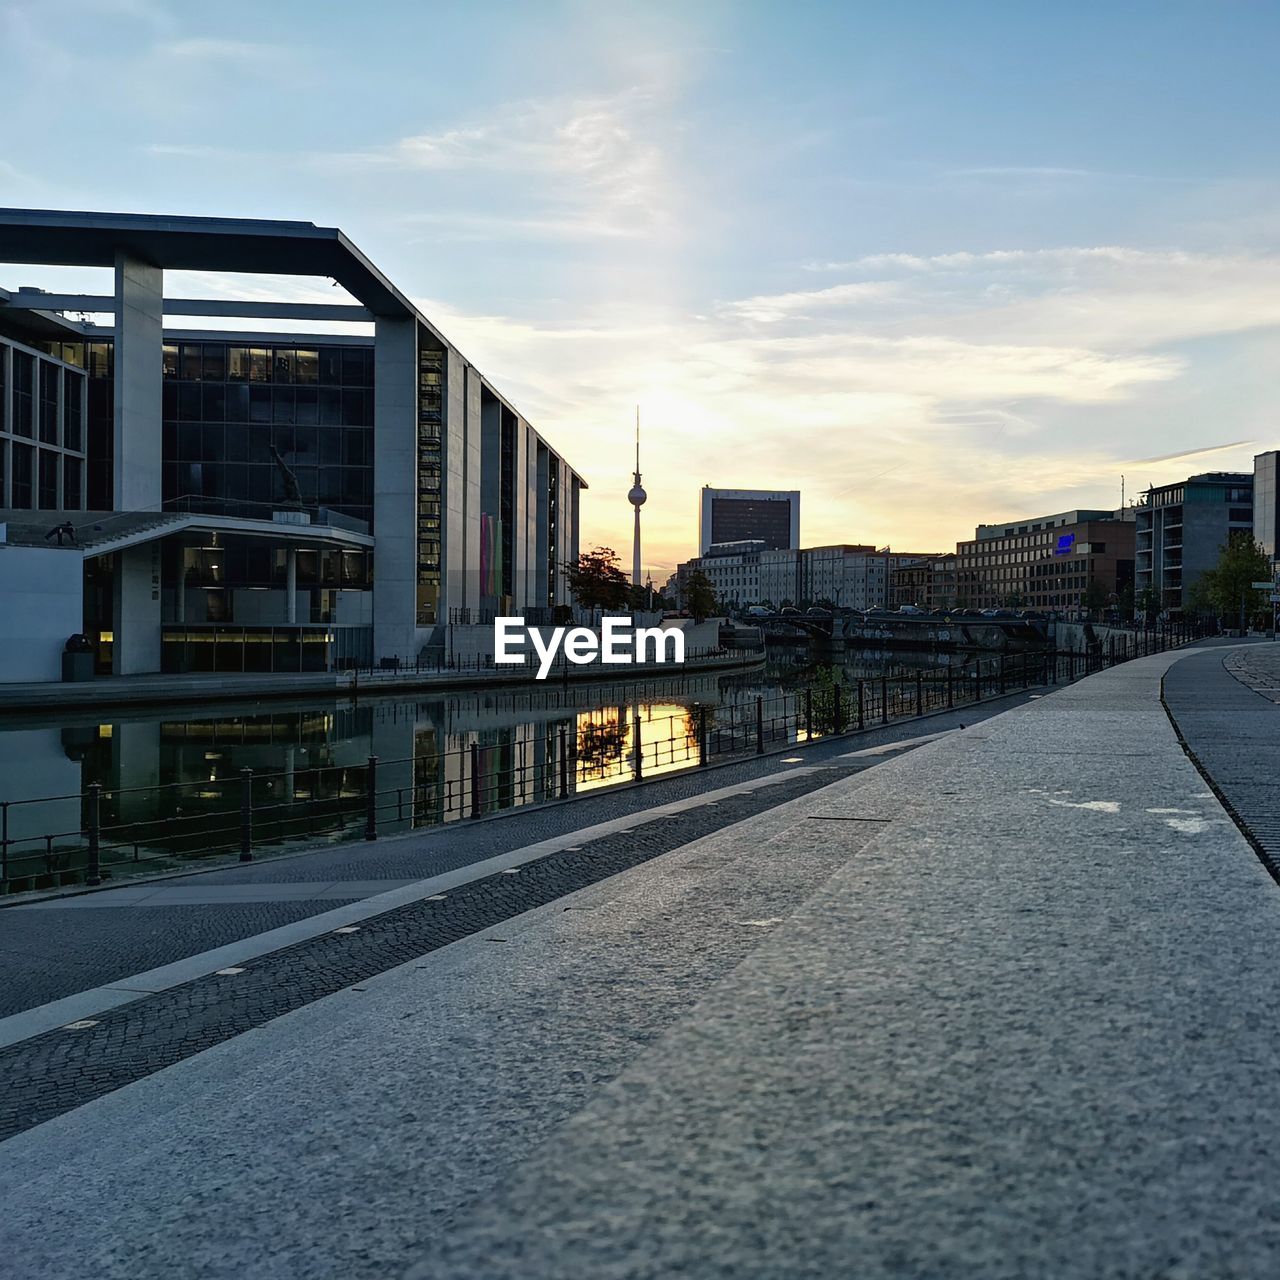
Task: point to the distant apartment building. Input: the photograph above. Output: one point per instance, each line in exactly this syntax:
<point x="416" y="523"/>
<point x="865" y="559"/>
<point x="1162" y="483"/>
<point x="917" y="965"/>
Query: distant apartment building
<point x="738" y="515"/>
<point x="1055" y="563"/>
<point x="928" y="582"/>
<point x="849" y="576"/>
<point x="733" y="569"/>
<point x="1181" y="528"/>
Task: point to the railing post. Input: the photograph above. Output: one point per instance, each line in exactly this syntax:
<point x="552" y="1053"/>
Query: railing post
<point x="564" y="763"/>
<point x="760" y="725"/>
<point x="1000" y="667"/>
<point x="475" y="779"/>
<point x="862" y="705"/>
<point x="702" y="736"/>
<point x="884" y="699"/>
<point x="639" y="746"/>
<point x="808" y="712"/>
<point x="919" y="693"/>
<point x="93" y="873"/>
<point x="246" y="815"/>
<point x="371" y="799"/>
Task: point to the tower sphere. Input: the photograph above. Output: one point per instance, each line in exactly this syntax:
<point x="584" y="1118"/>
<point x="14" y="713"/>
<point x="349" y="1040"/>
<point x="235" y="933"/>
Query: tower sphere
<point x="637" y="496"/>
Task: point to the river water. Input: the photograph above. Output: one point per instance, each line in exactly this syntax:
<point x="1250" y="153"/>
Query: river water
<point x="174" y="781"/>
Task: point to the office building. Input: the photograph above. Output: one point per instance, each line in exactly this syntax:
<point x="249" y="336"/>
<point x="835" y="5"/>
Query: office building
<point x="738" y="515"/>
<point x="1181" y="529"/>
<point x="253" y="500"/>
<point x="1061" y="563"/>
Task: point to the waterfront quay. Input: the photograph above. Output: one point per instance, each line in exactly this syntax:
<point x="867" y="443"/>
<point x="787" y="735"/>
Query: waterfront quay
<point x="987" y="994"/>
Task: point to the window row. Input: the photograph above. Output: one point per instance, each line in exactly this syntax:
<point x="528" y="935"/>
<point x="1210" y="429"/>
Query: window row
<point x="46" y="402"/>
<point x="236" y="442"/>
<point x="347" y="488"/>
<point x="232" y="402"/>
<point x="40" y="479"/>
<point x="304" y="366"/>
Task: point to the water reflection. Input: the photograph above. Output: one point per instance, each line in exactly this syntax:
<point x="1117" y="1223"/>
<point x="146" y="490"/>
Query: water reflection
<point x="174" y="780"/>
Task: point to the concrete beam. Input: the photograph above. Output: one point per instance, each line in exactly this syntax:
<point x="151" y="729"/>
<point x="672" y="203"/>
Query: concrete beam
<point x="101" y="303"/>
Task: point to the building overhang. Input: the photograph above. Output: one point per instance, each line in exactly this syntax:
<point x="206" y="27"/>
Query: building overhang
<point x="99" y="534"/>
<point x="245" y="245"/>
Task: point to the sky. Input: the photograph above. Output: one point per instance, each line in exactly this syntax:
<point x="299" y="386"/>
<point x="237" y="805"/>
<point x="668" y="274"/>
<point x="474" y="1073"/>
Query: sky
<point x="932" y="264"/>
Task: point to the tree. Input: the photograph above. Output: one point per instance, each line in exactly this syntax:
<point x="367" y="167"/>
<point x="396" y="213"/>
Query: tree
<point x="597" y="581"/>
<point x="1095" y="596"/>
<point x="1149" y="601"/>
<point x="699" y="595"/>
<point x="1014" y="600"/>
<point x="1228" y="588"/>
<point x="1124" y="602"/>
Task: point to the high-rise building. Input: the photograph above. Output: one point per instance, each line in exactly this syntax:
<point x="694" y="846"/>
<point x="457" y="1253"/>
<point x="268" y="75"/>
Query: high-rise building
<point x="231" y="490"/>
<point x="1181" y="529"/>
<point x="739" y="515"/>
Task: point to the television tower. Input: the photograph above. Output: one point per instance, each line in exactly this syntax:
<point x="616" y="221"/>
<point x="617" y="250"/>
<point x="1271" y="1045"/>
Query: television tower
<point x="637" y="498"/>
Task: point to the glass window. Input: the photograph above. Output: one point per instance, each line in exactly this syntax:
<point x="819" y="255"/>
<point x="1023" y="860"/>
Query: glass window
<point x="259" y="404"/>
<point x="215" y="362"/>
<point x="72" y="483"/>
<point x="73" y="415"/>
<point x="259" y="364"/>
<point x="22" y="464"/>
<point x="101" y="359"/>
<point x="308" y="404"/>
<point x="237" y="364"/>
<point x="48" y="480"/>
<point x="353" y="366"/>
<point x="331" y="366"/>
<point x="169" y="360"/>
<point x="50" y="382"/>
<point x="236" y="402"/>
<point x="188" y="402"/>
<point x="191" y="361"/>
<point x="214" y="397"/>
<point x="307" y="367"/>
<point x="282" y="402"/>
<point x="330" y="407"/>
<point x="283" y="364"/>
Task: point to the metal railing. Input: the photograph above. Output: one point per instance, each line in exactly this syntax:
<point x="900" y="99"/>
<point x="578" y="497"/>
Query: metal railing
<point x="90" y="834"/>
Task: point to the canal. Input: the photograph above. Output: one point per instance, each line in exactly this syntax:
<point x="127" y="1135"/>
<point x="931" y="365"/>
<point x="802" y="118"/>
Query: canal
<point x="174" y="783"/>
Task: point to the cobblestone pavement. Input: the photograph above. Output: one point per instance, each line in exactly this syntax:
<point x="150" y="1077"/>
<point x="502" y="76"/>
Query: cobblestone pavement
<point x="49" y="953"/>
<point x="1224" y="706"/>
<point x="51" y="1073"/>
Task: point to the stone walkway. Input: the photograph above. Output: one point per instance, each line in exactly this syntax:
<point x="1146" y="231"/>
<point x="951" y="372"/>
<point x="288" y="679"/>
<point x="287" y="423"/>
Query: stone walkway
<point x="1002" y="1006"/>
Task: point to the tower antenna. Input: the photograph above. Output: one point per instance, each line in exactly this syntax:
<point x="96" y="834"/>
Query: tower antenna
<point x="637" y="498"/>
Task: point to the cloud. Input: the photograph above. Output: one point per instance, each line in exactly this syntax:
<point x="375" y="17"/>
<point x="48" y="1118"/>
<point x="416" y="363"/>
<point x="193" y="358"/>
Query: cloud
<point x="591" y="166"/>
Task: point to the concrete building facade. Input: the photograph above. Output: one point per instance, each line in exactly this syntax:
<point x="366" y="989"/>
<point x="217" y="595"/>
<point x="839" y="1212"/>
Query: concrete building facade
<point x="253" y="499"/>
<point x="1182" y="527"/>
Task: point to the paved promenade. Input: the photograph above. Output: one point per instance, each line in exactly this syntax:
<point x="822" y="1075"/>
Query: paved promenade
<point x="1001" y="1005"/>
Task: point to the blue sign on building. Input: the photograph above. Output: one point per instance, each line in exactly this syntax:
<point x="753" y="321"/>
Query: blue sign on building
<point x="1066" y="541"/>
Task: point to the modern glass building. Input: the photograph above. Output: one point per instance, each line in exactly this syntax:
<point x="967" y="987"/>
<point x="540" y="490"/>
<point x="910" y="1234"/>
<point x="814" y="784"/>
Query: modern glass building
<point x="246" y="499"/>
<point x="1182" y="528"/>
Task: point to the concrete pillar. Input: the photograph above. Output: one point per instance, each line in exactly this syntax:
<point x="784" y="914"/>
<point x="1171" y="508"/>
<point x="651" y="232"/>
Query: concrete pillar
<point x="395" y="488"/>
<point x="291" y="586"/>
<point x="139" y="379"/>
<point x="136" y="611"/>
